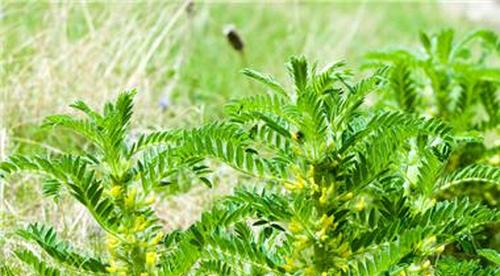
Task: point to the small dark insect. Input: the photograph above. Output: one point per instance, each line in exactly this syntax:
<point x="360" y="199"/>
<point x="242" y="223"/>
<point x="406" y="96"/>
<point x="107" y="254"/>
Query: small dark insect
<point x="298" y="136"/>
<point x="252" y="151"/>
<point x="190" y="8"/>
<point x="234" y="38"/>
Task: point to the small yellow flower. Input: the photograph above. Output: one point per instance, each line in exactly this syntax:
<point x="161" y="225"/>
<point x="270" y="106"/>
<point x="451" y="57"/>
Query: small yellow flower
<point x="432" y="239"/>
<point x="321" y="234"/>
<point x="289" y="265"/>
<point x="298" y="185"/>
<point x="289" y="186"/>
<point x="310" y="175"/>
<point x="151" y="258"/>
<point x="310" y="171"/>
<point x="360" y="205"/>
<point x="112" y="268"/>
<point x="156" y="239"/>
<point x="494" y="160"/>
<point x="150" y="200"/>
<point x="131" y="239"/>
<point x="295" y="226"/>
<point x="301" y="241"/>
<point x="130" y="199"/>
<point x="140" y="224"/>
<point x="326" y="221"/>
<point x="345" y="250"/>
<point x="112" y="242"/>
<point x="426" y="264"/>
<point x="314" y="188"/>
<point x="115" y="191"/>
<point x="309" y="271"/>
<point x="324" y="194"/>
<point x="440" y="249"/>
<point x="428" y="243"/>
<point x="348" y="196"/>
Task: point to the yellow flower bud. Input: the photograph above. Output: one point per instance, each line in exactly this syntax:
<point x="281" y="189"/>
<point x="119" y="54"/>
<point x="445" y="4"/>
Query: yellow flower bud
<point x="300" y="184"/>
<point x="115" y="191"/>
<point x="426" y="264"/>
<point x="314" y="188"/>
<point x="322" y="236"/>
<point x="310" y="171"/>
<point x="150" y="200"/>
<point x="360" y="205"/>
<point x="326" y="221"/>
<point x="151" y="258"/>
<point x="140" y="224"/>
<point x="310" y="175"/>
<point x="130" y="199"/>
<point x="324" y="194"/>
<point x="309" y="271"/>
<point x="297" y="185"/>
<point x="440" y="249"/>
<point x="432" y="239"/>
<point x="295" y="227"/>
<point x="348" y="196"/>
<point x="301" y="241"/>
<point x="494" y="160"/>
<point x="289" y="186"/>
<point x="112" y="242"/>
<point x="289" y="265"/>
<point x="112" y="268"/>
<point x="428" y="243"/>
<point x="156" y="240"/>
<point x="131" y="239"/>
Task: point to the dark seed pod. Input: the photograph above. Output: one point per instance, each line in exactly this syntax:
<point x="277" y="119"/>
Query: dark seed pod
<point x="234" y="38"/>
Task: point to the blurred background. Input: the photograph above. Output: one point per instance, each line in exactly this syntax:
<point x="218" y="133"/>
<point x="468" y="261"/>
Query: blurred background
<point x="177" y="55"/>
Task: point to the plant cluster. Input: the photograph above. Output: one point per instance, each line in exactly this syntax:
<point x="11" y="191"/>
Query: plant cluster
<point x="337" y="188"/>
<point x="457" y="81"/>
<point x="453" y="79"/>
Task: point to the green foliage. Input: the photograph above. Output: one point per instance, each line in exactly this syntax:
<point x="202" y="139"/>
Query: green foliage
<point x="456" y="80"/>
<point x="339" y="188"/>
<point x="38" y="266"/>
<point x="356" y="188"/>
<point x="47" y="239"/>
<point x="116" y="181"/>
<point x="452" y="266"/>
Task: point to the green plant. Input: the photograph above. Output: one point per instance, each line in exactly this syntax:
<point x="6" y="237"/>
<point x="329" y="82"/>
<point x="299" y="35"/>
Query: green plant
<point x="356" y="189"/>
<point x="341" y="189"/>
<point x="116" y="180"/>
<point x="453" y="79"/>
